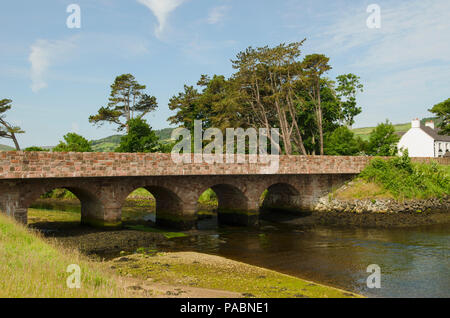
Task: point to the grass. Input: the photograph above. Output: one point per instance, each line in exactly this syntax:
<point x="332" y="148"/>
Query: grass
<point x="213" y="272"/>
<point x="364" y="132"/>
<point x="31" y="267"/>
<point x="361" y="189"/>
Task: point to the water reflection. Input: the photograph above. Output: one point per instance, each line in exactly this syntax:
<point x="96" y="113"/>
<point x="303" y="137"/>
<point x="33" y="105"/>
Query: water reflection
<point x="414" y="262"/>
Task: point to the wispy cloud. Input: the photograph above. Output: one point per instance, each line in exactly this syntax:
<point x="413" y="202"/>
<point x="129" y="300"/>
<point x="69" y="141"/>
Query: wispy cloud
<point x="161" y="9"/>
<point x="403" y="65"/>
<point x="217" y="14"/>
<point x="412" y="32"/>
<point x="43" y="54"/>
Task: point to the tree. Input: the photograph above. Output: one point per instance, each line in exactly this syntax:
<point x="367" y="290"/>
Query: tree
<point x="342" y="142"/>
<point x="266" y="78"/>
<point x="34" y="148"/>
<point x="8" y="130"/>
<point x="443" y="111"/>
<point x="383" y="140"/>
<point x="273" y="88"/>
<point x="347" y="89"/>
<point x="126" y="101"/>
<point x="140" y="138"/>
<point x="73" y="143"/>
<point x="314" y="66"/>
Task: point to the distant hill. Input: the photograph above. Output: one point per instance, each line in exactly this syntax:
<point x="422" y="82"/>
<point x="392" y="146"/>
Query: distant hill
<point x="365" y="132"/>
<point x="109" y="144"/>
<point x="6" y="148"/>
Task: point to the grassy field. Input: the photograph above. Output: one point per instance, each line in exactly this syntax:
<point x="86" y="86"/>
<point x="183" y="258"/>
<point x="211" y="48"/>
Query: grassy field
<point x="365" y="131"/>
<point x="31" y="267"/>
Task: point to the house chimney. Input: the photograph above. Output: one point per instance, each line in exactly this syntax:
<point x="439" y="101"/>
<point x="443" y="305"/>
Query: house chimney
<point x="415" y="123"/>
<point x="430" y="124"/>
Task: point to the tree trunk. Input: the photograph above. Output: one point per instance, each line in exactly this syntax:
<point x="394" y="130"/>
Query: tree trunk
<point x="13" y="137"/>
<point x="319" y="115"/>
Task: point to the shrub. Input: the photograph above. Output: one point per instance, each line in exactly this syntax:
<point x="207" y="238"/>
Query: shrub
<point x="404" y="179"/>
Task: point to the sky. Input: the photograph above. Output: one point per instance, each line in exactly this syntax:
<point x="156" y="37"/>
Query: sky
<point x="58" y="76"/>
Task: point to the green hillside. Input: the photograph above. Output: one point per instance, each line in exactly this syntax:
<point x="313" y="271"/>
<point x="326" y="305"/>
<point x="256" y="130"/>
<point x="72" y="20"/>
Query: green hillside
<point x="365" y="131"/>
<point x="6" y="148"/>
<point x="109" y="144"/>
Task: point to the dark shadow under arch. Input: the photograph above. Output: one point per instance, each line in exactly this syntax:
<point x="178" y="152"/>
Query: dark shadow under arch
<point x="281" y="197"/>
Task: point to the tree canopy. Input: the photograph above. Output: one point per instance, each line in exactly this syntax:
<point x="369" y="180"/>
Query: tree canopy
<point x="383" y="140"/>
<point x="73" y="143"/>
<point x="443" y="111"/>
<point x="140" y="138"/>
<point x="8" y="130"/>
<point x="126" y="101"/>
<point x="273" y="87"/>
<point x="342" y="142"/>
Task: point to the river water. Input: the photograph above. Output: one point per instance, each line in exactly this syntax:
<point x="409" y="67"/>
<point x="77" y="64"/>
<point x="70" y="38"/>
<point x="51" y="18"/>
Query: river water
<point x="414" y="262"/>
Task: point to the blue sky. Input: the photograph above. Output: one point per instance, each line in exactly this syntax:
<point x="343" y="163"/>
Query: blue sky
<point x="58" y="76"/>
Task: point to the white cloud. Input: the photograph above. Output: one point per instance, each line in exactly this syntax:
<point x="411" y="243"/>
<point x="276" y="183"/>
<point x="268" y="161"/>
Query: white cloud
<point x="43" y="54"/>
<point x="403" y="65"/>
<point x="217" y="14"/>
<point x="411" y="32"/>
<point x="161" y="9"/>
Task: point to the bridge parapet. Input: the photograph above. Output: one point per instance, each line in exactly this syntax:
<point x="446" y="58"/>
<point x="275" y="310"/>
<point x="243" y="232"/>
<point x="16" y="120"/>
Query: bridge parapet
<point x="22" y="165"/>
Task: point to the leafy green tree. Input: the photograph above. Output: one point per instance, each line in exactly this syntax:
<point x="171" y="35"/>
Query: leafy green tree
<point x="348" y="87"/>
<point x="314" y="66"/>
<point x="383" y="140"/>
<point x="140" y="138"/>
<point x="8" y="130"/>
<point x="443" y="111"/>
<point x="34" y="148"/>
<point x="273" y="87"/>
<point x="127" y="101"/>
<point x="73" y="143"/>
<point x="342" y="142"/>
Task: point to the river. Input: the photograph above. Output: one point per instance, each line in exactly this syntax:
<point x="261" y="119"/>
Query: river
<point x="414" y="262"/>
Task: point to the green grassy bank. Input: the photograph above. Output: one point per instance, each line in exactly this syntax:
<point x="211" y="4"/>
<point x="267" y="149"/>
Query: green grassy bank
<point x="32" y="267"/>
<point x="399" y="178"/>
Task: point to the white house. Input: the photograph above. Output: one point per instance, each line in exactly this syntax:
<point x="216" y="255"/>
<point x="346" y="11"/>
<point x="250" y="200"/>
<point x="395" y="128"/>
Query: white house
<point x="424" y="140"/>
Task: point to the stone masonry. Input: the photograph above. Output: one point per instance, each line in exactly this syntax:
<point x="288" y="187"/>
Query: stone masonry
<point x="102" y="182"/>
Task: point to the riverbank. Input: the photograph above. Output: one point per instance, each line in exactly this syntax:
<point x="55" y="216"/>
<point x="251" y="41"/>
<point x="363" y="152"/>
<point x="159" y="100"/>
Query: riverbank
<point x="215" y="272"/>
<point x="27" y="256"/>
<point x="390" y="193"/>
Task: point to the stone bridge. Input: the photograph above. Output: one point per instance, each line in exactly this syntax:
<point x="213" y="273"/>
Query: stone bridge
<point x="102" y="182"/>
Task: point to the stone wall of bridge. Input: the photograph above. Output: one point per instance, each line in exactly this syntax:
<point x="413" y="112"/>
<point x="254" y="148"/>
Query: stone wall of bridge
<point x="102" y="181"/>
<point x="176" y="197"/>
<point x="20" y="165"/>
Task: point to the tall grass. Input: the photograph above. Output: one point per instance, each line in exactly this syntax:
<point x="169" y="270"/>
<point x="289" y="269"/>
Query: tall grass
<point x="31" y="267"/>
<point x="407" y="180"/>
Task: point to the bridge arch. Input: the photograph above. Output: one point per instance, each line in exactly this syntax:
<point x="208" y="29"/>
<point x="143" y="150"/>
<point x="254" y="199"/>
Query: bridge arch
<point x="234" y="206"/>
<point x="92" y="208"/>
<point x="169" y="209"/>
<point x="281" y="197"/>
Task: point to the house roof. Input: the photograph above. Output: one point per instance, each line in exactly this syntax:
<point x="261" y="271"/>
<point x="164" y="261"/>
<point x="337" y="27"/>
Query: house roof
<point x="434" y="133"/>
